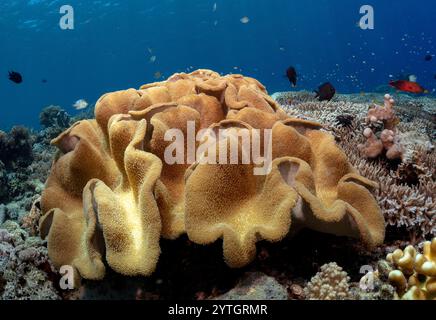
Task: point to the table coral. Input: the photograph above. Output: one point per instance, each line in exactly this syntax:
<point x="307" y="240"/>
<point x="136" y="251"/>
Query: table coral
<point x="111" y="194"/>
<point x="415" y="277"/>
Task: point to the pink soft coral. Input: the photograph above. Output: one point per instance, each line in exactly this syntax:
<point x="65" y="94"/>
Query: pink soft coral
<point x="389" y="140"/>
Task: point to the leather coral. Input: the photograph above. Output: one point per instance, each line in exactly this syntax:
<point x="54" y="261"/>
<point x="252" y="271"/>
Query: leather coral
<point x="112" y="193"/>
<point x="99" y="201"/>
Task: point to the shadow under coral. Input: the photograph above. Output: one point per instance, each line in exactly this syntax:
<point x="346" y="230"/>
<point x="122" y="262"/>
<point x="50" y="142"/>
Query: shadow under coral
<point x="187" y="271"/>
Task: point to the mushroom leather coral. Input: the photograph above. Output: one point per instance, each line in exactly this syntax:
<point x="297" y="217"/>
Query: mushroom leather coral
<point x="111" y="193"/>
<point x="313" y="181"/>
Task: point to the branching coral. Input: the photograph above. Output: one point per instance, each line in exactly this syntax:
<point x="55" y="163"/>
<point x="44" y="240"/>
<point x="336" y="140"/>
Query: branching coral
<point x="115" y="188"/>
<point x="415" y="278"/>
<point x="406" y="196"/>
<point x="331" y="283"/>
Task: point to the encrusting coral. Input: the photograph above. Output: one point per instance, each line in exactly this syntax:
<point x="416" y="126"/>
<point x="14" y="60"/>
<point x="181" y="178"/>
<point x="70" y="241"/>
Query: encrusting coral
<point x="415" y="277"/>
<point x="112" y="193"/>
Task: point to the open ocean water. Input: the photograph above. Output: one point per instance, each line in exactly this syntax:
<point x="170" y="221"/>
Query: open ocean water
<point x="119" y="44"/>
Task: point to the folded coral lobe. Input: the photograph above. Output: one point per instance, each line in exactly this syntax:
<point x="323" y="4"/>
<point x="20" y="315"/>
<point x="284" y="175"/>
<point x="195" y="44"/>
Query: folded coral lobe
<point x="229" y="201"/>
<point x="115" y="219"/>
<point x="344" y="204"/>
<point x="82" y="157"/>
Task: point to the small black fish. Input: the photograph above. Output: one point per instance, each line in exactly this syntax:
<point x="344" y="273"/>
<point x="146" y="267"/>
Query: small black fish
<point x="428" y="57"/>
<point x="15" y="77"/>
<point x="345" y="120"/>
<point x="325" y="92"/>
<point x="291" y="73"/>
<point x="44" y="80"/>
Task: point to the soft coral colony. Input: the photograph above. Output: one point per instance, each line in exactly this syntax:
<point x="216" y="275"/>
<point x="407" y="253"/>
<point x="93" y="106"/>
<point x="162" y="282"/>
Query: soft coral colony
<point x="111" y="196"/>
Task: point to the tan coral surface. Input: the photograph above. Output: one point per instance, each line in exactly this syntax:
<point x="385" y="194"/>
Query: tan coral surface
<point x="112" y="193"/>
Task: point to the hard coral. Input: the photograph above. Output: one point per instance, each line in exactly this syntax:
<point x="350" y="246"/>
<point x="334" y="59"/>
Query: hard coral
<point x="16" y="147"/>
<point x="406" y="196"/>
<point x="415" y="278"/>
<point x="389" y="139"/>
<point x="112" y="194"/>
<point x="54" y="121"/>
<point x="54" y="116"/>
<point x="331" y="283"/>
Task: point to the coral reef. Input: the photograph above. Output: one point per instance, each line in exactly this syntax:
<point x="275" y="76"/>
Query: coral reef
<point x="54" y="120"/>
<point x="395" y="144"/>
<point x="415" y="276"/>
<point x="417" y="114"/>
<point x="24" y="266"/>
<point x="30" y="221"/>
<point x="330" y="283"/>
<point x="17" y="185"/>
<point x="54" y="116"/>
<point x="129" y="130"/>
<point x="3" y="186"/>
<point x="111" y="194"/>
<point x="16" y="147"/>
<point x="406" y="194"/>
<point x="25" y="160"/>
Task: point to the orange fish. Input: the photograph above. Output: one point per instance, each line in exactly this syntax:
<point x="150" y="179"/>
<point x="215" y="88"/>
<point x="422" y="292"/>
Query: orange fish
<point x="408" y="86"/>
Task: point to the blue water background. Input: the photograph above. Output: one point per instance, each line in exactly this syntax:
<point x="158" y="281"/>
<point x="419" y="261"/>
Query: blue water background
<point x="113" y="42"/>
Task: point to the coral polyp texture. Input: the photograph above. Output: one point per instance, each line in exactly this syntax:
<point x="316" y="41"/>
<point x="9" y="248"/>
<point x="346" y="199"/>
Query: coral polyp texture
<point x="415" y="276"/>
<point x="111" y="193"/>
<point x="330" y="283"/>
